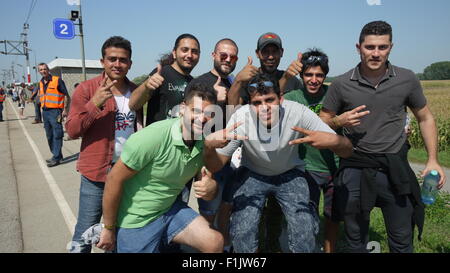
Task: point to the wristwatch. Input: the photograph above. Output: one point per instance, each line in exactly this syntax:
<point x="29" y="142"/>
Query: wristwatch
<point x="108" y="227"/>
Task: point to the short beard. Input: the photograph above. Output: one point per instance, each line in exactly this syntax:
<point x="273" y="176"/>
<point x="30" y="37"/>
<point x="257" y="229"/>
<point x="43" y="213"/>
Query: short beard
<point x="219" y="70"/>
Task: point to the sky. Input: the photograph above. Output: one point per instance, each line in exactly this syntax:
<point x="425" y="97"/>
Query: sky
<point x="421" y="29"/>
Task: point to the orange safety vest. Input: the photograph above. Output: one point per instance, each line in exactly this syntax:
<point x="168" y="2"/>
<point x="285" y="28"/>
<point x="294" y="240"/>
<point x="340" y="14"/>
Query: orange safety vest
<point x="51" y="98"/>
<point x="2" y="97"/>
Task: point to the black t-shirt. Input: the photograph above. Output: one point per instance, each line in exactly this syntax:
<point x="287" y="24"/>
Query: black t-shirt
<point x="168" y="95"/>
<point x="292" y="84"/>
<point x="209" y="79"/>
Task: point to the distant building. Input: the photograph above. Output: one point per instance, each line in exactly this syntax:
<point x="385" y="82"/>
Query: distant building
<point x="70" y="70"/>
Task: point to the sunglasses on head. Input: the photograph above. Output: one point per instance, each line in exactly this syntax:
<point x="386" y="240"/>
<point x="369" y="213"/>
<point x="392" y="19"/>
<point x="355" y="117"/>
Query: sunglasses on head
<point x="259" y="85"/>
<point x="224" y="56"/>
<point x="316" y="59"/>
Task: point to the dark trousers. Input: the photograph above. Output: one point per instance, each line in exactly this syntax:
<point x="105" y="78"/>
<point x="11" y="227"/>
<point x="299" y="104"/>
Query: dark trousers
<point x="54" y="131"/>
<point x="37" y="110"/>
<point x="1" y="110"/>
<point x="397" y="213"/>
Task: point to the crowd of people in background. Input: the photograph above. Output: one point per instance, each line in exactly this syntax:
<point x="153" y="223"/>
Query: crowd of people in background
<point x="256" y="149"/>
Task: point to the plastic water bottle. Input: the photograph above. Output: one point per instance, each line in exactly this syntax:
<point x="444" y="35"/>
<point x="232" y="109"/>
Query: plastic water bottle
<point x="429" y="187"/>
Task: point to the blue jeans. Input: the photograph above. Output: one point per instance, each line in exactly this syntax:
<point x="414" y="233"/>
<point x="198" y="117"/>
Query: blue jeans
<point x="89" y="212"/>
<point x="224" y="179"/>
<point x="37" y="110"/>
<point x="1" y="110"/>
<point x="149" y="238"/>
<point x="292" y="193"/>
<point x="54" y="131"/>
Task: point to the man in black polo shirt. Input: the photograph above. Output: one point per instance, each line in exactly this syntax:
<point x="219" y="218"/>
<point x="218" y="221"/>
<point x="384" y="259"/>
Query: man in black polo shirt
<point x="378" y="173"/>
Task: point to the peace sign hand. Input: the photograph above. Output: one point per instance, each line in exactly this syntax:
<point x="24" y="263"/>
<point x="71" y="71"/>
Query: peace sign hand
<point x="317" y="139"/>
<point x="351" y="118"/>
<point x="103" y="92"/>
<point x="221" y="138"/>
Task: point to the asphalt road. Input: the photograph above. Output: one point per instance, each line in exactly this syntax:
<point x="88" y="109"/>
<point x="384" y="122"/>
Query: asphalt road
<point x="38" y="205"/>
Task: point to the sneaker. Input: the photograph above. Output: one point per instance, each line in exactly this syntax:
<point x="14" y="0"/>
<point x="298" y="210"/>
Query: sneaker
<point x="53" y="163"/>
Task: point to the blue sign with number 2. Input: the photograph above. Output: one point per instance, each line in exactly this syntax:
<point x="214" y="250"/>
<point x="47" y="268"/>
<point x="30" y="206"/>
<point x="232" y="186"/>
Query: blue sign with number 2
<point x="63" y="29"/>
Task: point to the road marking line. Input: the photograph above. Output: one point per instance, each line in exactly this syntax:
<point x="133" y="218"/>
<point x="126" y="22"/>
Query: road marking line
<point x="64" y="207"/>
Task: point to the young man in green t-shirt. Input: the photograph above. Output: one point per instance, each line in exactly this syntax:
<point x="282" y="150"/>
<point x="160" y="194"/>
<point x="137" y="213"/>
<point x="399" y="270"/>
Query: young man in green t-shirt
<point x="320" y="164"/>
<point x="142" y="189"/>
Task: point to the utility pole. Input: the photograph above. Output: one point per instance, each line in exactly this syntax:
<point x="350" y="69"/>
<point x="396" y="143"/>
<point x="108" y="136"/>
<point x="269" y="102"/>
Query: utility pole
<point x="83" y="62"/>
<point x="25" y="50"/>
<point x="74" y="15"/>
<point x="18" y="48"/>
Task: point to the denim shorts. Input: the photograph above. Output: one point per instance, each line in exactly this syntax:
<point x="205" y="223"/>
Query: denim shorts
<point x="159" y="232"/>
<point x="224" y="178"/>
<point x="325" y="183"/>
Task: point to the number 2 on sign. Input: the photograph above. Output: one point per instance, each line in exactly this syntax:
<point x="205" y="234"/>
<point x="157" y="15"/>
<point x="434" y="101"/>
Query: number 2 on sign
<point x="64" y="28"/>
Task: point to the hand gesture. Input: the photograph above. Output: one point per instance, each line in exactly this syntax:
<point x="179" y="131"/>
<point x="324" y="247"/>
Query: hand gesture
<point x="221" y="138"/>
<point x="248" y="72"/>
<point x="317" y="139"/>
<point x="351" y="118"/>
<point x="206" y="188"/>
<point x="156" y="80"/>
<point x="103" y="93"/>
<point x="295" y="67"/>
<point x="221" y="91"/>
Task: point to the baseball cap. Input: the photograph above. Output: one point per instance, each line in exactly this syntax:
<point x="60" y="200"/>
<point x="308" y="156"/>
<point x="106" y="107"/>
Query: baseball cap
<point x="268" y="38"/>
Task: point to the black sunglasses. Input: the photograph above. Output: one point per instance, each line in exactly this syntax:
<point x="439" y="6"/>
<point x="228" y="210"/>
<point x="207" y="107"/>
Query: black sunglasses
<point x="316" y="59"/>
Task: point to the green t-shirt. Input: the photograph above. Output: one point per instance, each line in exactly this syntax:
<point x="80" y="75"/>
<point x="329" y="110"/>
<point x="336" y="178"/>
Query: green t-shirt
<point x="315" y="159"/>
<point x="165" y="165"/>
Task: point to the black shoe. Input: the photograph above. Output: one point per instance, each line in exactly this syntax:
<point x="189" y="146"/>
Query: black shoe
<point x="53" y="163"/>
<point x="1" y="120"/>
<point x="48" y="160"/>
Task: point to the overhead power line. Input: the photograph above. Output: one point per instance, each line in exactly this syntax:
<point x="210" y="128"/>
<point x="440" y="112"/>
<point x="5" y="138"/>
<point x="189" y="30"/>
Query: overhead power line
<point x="33" y="4"/>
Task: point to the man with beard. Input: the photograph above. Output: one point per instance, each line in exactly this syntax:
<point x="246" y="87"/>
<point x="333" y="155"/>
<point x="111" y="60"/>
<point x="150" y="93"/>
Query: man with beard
<point x="142" y="190"/>
<point x="165" y="86"/>
<point x="225" y="56"/>
<point x="269" y="51"/>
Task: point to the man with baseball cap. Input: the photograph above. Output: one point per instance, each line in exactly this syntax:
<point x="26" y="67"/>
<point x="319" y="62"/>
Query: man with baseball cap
<point x="269" y="51"/>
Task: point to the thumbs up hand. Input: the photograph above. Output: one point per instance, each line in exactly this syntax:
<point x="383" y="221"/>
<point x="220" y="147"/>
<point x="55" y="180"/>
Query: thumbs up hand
<point x="156" y="80"/>
<point x="206" y="187"/>
<point x="295" y="68"/>
<point x="221" y="91"/>
<point x="248" y="72"/>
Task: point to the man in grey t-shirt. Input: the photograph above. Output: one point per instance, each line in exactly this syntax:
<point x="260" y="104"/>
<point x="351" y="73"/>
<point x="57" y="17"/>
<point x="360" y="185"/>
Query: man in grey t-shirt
<point x="378" y="173"/>
<point x="271" y="128"/>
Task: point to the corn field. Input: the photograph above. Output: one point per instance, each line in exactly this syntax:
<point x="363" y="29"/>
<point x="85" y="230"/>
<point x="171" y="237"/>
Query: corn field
<point x="438" y="99"/>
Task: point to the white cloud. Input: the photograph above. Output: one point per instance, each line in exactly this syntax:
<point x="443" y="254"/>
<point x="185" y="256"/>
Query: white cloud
<point x="374" y="2"/>
<point x="73" y="2"/>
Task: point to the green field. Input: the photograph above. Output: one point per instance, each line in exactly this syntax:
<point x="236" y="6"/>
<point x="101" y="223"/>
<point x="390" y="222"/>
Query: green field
<point x="438" y="98"/>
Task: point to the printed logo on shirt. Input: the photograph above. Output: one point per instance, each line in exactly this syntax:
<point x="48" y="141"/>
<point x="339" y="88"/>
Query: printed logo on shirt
<point x="177" y="88"/>
<point x="124" y="121"/>
<point x="316" y="107"/>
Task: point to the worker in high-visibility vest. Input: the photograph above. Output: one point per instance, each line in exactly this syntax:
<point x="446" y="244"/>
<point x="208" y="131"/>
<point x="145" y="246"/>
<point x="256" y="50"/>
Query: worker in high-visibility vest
<point x="2" y="99"/>
<point x="55" y="102"/>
